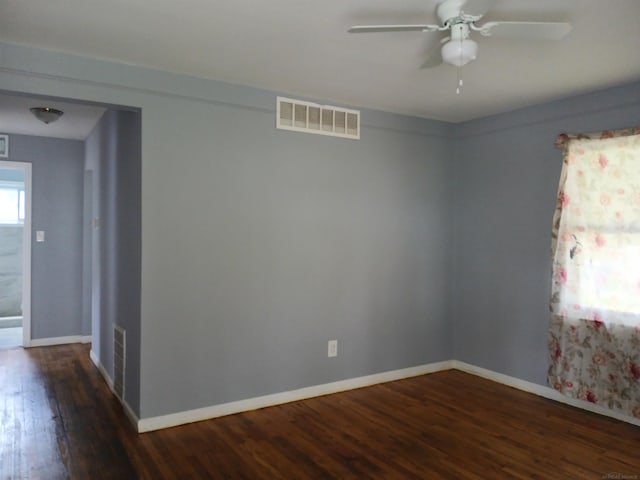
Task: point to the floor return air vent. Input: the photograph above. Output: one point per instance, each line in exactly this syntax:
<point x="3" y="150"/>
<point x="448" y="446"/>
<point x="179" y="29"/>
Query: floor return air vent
<point x="119" y="352"/>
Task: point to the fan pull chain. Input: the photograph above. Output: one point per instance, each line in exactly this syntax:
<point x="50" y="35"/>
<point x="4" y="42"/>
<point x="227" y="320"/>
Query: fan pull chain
<point x="458" y="74"/>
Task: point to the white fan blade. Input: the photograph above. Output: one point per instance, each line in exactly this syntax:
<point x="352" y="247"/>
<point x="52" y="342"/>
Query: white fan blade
<point x="526" y="30"/>
<point x="393" y="28"/>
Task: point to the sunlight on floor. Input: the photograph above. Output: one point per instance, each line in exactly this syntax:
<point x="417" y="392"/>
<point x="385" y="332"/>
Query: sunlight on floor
<point x="10" y="337"/>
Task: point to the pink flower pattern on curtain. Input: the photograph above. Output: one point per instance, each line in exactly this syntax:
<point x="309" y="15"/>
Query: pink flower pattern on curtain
<point x="594" y="334"/>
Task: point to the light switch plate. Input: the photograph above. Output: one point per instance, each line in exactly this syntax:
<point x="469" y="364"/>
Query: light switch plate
<point x="39" y="235"/>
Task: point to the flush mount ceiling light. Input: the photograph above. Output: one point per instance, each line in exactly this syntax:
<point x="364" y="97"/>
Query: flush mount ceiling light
<point x="46" y="114"/>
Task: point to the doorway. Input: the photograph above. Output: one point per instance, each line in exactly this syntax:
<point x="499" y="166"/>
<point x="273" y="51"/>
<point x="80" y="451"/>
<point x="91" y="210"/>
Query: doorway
<point x="15" y="254"/>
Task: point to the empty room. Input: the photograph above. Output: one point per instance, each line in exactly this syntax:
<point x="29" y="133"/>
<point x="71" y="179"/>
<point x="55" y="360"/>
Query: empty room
<point x="300" y="240"/>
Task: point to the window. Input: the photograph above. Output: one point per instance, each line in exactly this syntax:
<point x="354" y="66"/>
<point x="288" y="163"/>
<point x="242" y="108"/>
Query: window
<point x="594" y="327"/>
<point x="12" y="208"/>
<point x="597" y="257"/>
<point x="608" y="277"/>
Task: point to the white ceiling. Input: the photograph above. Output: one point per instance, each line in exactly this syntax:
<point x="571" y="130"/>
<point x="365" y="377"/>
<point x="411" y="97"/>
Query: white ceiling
<point x="301" y="47"/>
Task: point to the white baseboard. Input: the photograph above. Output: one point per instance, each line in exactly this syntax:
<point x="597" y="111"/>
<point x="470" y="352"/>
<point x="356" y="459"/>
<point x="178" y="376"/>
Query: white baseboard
<point x="542" y="391"/>
<point x="103" y="371"/>
<point x="47" y="342"/>
<point x="133" y="418"/>
<point x="206" y="413"/>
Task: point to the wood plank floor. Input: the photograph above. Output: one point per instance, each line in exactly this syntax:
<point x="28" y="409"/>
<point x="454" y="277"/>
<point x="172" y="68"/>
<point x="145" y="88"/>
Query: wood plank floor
<point x="58" y="420"/>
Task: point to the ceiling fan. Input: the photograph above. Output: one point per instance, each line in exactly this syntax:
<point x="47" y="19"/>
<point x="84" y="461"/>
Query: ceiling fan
<point x="458" y="18"/>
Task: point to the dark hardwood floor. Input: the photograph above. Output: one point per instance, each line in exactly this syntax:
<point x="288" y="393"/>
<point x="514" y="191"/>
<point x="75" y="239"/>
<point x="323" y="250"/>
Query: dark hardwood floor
<point x="58" y="420"/>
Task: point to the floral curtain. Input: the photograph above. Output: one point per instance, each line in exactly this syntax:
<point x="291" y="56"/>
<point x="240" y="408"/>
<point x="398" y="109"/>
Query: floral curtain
<point x="594" y="335"/>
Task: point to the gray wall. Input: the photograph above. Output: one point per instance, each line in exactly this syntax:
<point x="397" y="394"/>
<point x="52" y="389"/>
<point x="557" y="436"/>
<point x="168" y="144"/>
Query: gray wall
<point x="56" y="264"/>
<point x="260" y="245"/>
<point x="112" y="271"/>
<point x="507" y="173"/>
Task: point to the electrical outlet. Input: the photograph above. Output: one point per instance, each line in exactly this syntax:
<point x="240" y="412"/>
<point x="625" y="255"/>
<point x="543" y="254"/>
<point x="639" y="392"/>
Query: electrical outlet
<point x="333" y="348"/>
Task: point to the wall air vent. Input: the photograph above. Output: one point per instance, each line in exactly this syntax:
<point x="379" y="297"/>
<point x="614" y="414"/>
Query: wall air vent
<point x="310" y="117"/>
<point x="119" y="357"/>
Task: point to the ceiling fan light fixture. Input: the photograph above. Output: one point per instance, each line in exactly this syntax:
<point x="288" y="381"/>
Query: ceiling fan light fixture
<point x="46" y="114"/>
<point x="459" y="52"/>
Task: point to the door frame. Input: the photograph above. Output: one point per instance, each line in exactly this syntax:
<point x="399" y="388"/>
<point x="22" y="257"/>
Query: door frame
<point x="26" y="248"/>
